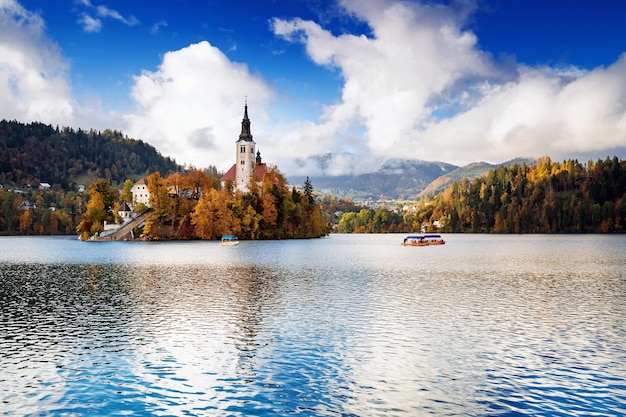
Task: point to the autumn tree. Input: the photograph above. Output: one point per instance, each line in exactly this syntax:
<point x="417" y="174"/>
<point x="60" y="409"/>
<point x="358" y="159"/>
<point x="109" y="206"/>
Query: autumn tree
<point x="26" y="220"/>
<point x="100" y="209"/>
<point x="212" y="216"/>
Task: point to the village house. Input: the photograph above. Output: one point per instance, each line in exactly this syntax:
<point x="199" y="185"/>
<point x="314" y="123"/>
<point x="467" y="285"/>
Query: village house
<point x="27" y="205"/>
<point x="140" y="193"/>
<point x="125" y="212"/>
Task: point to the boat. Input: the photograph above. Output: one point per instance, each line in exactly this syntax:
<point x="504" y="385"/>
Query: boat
<point x="423" y="240"/>
<point x="230" y="240"/>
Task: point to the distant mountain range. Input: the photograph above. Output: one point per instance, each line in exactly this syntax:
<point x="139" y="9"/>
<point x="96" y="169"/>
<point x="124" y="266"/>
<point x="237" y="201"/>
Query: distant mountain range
<point x="400" y="179"/>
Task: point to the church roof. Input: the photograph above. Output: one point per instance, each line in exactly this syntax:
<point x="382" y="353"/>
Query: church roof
<point x="230" y="174"/>
<point x="260" y="170"/>
<point x="124" y="207"/>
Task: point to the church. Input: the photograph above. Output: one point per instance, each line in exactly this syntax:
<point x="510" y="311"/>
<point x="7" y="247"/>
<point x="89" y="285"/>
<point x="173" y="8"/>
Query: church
<point x="246" y="162"/>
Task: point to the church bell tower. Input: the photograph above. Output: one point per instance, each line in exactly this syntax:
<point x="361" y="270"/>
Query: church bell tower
<point x="245" y="153"/>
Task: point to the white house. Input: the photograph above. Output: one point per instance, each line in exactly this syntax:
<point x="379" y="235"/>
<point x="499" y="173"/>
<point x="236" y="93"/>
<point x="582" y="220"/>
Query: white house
<point x="125" y="212"/>
<point x="140" y="193"/>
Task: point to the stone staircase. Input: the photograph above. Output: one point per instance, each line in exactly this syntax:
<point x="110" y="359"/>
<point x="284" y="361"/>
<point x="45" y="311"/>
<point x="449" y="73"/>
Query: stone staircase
<point x="126" y="231"/>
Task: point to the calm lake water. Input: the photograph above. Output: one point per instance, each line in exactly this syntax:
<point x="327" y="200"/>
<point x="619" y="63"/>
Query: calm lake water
<point x="348" y="325"/>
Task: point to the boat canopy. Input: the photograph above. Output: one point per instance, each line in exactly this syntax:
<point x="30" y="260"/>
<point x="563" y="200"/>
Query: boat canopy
<point x="229" y="237"/>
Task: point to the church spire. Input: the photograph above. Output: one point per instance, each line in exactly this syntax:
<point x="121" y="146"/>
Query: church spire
<point x="245" y="135"/>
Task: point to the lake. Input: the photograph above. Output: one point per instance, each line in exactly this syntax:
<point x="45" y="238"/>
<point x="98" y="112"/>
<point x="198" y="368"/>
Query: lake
<point x="348" y="325"/>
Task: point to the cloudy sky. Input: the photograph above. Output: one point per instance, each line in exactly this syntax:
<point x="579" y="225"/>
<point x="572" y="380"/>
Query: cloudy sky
<point x="366" y="80"/>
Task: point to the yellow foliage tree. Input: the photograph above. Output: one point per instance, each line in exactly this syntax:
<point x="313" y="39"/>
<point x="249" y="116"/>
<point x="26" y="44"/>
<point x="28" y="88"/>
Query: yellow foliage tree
<point x="26" y="220"/>
<point x="212" y="217"/>
<point x="93" y="220"/>
<point x="270" y="214"/>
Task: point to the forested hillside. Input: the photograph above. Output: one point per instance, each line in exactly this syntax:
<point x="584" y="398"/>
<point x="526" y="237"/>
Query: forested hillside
<point x="41" y="166"/>
<point x="34" y="152"/>
<point x="551" y="197"/>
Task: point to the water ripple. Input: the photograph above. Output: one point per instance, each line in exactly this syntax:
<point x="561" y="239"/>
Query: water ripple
<point x="317" y="328"/>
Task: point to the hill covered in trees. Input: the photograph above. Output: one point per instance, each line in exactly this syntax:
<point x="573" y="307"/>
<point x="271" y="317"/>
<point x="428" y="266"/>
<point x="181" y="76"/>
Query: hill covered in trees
<point x="41" y="166"/>
<point x="549" y="197"/>
<point x="470" y="171"/>
<point x="34" y="152"/>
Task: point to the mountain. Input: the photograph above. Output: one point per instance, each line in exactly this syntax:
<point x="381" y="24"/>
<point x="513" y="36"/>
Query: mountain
<point x="35" y="152"/>
<point x="400" y="179"/>
<point x="397" y="179"/>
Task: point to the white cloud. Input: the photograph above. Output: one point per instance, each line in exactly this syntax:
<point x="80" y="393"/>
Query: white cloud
<point x="191" y="107"/>
<point x="421" y="88"/>
<point x="104" y="11"/>
<point x="34" y="83"/>
<point x="540" y="113"/>
<point x="415" y="86"/>
<point x="93" y="24"/>
<point x="157" y="26"/>
<point x="90" y="24"/>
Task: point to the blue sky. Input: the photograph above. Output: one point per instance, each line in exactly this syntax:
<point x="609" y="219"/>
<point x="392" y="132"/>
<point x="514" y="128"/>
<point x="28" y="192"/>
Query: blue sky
<point x="366" y="80"/>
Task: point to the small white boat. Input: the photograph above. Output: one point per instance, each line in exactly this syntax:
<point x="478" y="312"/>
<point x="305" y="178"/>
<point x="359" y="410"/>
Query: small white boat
<point x="230" y="240"/>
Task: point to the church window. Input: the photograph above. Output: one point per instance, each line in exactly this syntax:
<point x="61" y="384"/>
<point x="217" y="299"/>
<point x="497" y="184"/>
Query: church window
<point x="242" y="149"/>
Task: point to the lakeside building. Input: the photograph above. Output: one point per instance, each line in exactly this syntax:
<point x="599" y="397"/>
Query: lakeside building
<point x="140" y="193"/>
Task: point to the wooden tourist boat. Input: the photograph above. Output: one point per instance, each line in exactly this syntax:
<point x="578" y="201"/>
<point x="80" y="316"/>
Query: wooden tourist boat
<point x="423" y="240"/>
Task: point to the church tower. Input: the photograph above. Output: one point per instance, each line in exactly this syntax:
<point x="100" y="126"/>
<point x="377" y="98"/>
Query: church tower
<point x="246" y="163"/>
<point x="245" y="153"/>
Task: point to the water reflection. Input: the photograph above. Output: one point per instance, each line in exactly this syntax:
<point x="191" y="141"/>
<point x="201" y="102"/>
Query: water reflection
<point x="482" y="326"/>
